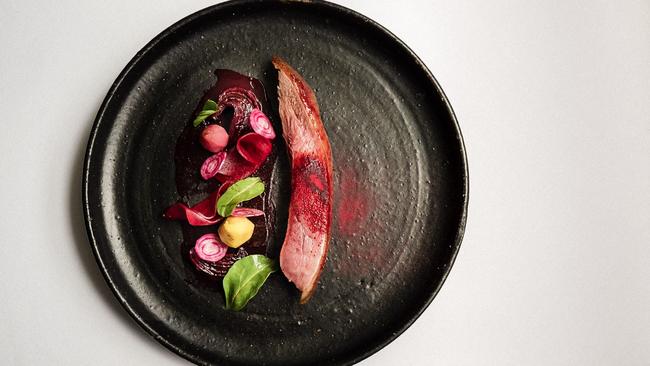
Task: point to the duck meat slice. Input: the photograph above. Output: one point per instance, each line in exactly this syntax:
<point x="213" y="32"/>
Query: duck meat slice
<point x="304" y="251"/>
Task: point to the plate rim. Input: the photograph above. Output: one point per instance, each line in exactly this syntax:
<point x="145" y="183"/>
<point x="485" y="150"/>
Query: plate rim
<point x="220" y="7"/>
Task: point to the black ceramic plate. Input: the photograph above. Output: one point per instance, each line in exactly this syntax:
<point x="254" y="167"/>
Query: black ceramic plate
<point x="400" y="186"/>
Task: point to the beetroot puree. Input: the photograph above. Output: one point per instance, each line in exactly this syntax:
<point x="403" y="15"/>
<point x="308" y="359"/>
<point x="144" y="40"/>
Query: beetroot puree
<point x="236" y="95"/>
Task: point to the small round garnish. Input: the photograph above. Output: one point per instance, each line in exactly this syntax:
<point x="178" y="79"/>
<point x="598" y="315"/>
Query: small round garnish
<point x="210" y="248"/>
<point x="211" y="165"/>
<point x="214" y="138"/>
<point x="254" y="147"/>
<point x="261" y="124"/>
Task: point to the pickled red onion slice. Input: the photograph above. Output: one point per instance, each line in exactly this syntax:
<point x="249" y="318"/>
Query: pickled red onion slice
<point x="210" y="248"/>
<point x="201" y="214"/>
<point x="246" y="212"/>
<point x="211" y="165"/>
<point x="261" y="124"/>
<point x="235" y="168"/>
<point x="254" y="148"/>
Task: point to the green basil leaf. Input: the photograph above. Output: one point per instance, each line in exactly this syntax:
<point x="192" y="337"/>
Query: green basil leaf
<point x="202" y="116"/>
<point x="243" y="190"/>
<point x="210" y="105"/>
<point x="245" y="278"/>
<point x="209" y="108"/>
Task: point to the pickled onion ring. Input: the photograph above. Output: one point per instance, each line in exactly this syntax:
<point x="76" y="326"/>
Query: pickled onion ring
<point x="261" y="124"/>
<point x="210" y="248"/>
<point x="211" y="165"/>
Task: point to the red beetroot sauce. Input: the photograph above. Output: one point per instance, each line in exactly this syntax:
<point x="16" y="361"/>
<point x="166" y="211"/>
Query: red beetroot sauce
<point x="238" y="90"/>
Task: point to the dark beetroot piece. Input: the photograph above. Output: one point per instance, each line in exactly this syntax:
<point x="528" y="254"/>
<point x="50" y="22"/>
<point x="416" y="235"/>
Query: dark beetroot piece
<point x="237" y="96"/>
<point x="220" y="268"/>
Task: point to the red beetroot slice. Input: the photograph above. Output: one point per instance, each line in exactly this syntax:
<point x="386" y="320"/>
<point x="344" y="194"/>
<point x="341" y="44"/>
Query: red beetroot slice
<point x="201" y="214"/>
<point x="246" y="212"/>
<point x="209" y="248"/>
<point x="211" y="165"/>
<point x="254" y="148"/>
<point x="235" y="168"/>
<point x="261" y="124"/>
<point x="220" y="268"/>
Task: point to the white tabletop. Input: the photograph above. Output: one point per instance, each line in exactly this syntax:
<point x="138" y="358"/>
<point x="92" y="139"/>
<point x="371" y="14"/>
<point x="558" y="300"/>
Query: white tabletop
<point x="553" y="98"/>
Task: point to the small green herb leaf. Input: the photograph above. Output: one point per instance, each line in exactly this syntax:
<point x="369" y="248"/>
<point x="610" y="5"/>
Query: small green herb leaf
<point x="245" y="278"/>
<point x="209" y="108"/>
<point x="243" y="190"/>
<point x="210" y="104"/>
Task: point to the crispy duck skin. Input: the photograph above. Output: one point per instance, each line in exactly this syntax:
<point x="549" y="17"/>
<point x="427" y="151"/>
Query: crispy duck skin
<point x="307" y="239"/>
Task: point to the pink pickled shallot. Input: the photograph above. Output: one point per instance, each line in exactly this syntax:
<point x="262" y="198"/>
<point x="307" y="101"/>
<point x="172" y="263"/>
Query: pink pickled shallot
<point x="261" y="124"/>
<point x="254" y="148"/>
<point x="214" y="138"/>
<point x="235" y="168"/>
<point x="201" y="214"/>
<point x="220" y="268"/>
<point x="211" y="165"/>
<point x="210" y="248"/>
<point x="246" y="212"/>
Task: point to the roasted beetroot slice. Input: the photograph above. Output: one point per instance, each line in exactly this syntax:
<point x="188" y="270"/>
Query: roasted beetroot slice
<point x="305" y="246"/>
<point x="220" y="268"/>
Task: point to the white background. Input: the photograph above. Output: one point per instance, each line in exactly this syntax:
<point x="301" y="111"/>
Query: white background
<point x="553" y="98"/>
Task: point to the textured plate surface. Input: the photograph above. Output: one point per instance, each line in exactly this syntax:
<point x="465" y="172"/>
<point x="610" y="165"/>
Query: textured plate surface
<point x="400" y="186"/>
